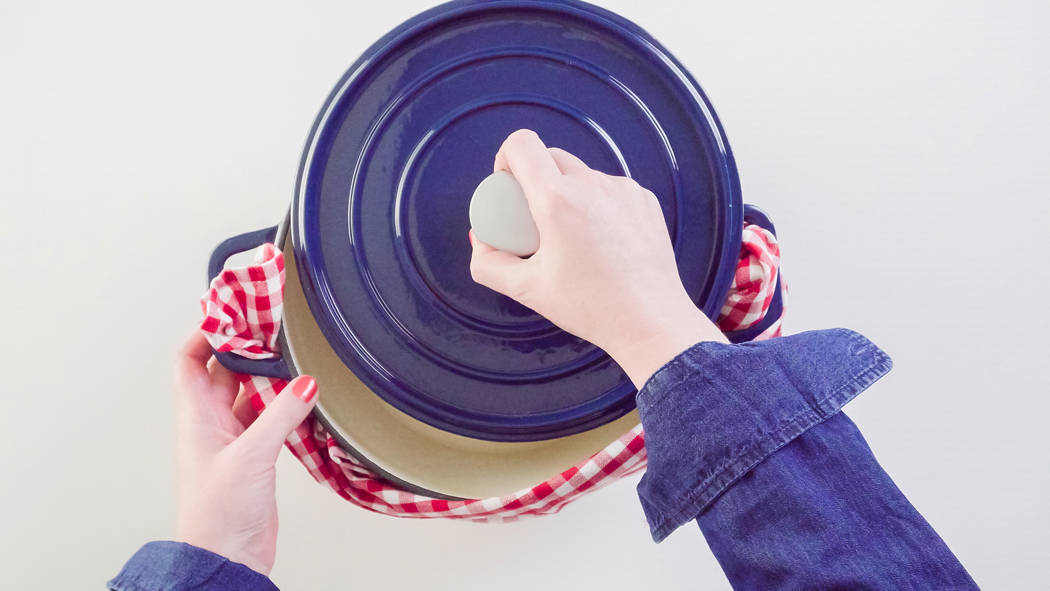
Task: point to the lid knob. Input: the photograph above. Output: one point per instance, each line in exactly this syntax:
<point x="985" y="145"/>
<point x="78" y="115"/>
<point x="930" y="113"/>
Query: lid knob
<point x="500" y="216"/>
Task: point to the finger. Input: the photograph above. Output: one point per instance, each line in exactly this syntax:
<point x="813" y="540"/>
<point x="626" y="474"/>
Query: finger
<point x="192" y="379"/>
<point x="292" y="405"/>
<point x="224" y="382"/>
<point x="568" y="163"/>
<point x="243" y="410"/>
<point x="191" y="361"/>
<point x="527" y="158"/>
<point x="495" y="269"/>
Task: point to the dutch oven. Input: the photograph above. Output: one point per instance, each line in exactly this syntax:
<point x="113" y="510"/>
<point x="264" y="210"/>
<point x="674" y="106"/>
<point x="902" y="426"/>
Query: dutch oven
<point x="432" y="380"/>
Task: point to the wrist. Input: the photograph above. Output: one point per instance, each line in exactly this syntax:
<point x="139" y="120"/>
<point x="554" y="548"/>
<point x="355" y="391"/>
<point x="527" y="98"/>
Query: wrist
<point x="225" y="546"/>
<point x="650" y="342"/>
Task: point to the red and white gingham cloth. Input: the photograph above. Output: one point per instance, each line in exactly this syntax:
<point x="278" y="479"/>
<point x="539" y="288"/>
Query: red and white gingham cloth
<point x="242" y="310"/>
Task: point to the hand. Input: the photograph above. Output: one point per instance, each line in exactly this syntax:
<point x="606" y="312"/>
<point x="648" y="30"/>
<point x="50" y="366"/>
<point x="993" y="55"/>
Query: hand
<point x="225" y="458"/>
<point x="605" y="269"/>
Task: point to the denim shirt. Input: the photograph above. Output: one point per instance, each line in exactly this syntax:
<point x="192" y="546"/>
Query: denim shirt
<point x="174" y="566"/>
<point x="747" y="440"/>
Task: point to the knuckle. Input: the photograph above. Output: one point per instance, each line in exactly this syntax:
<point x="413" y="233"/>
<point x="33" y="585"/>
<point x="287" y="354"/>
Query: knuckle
<point x="593" y="177"/>
<point x="480" y="273"/>
<point x="566" y="195"/>
<point x="629" y="183"/>
<point x="522" y="135"/>
<point x="516" y="291"/>
<point x="475" y="271"/>
<point x="563" y="156"/>
<point x="610" y="182"/>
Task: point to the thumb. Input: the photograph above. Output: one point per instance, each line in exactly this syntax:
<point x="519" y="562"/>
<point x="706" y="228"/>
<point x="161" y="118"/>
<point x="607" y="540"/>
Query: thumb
<point x="495" y="269"/>
<point x="287" y="411"/>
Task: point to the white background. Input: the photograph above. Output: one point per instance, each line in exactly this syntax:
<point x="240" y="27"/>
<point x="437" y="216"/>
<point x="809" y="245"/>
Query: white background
<point x="901" y="147"/>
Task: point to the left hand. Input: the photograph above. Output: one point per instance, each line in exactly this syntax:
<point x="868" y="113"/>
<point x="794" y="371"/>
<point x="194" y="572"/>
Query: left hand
<point x="225" y="457"/>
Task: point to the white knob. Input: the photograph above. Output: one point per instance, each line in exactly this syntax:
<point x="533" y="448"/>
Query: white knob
<point x="500" y="216"/>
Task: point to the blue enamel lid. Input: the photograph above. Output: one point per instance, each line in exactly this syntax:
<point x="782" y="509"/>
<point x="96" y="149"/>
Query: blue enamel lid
<point x="379" y="218"/>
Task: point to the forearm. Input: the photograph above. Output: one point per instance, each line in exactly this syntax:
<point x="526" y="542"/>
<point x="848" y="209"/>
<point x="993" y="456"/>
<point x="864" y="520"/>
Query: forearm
<point x="748" y="440"/>
<point x="821" y="513"/>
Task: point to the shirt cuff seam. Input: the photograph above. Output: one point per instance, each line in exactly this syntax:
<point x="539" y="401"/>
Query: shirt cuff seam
<point x="123" y="583"/>
<point x="707" y="490"/>
<point x="678" y="359"/>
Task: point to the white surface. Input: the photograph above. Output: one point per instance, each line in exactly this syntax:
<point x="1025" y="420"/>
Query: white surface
<point x="902" y="149"/>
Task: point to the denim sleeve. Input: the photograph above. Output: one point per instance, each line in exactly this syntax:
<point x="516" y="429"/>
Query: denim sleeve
<point x="174" y="566"/>
<point x="748" y="441"/>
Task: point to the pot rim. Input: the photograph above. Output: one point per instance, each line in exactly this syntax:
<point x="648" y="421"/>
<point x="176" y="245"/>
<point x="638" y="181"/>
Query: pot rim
<point x="490" y="426"/>
<point x="322" y="415"/>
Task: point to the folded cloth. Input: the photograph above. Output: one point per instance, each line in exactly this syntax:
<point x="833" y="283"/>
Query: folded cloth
<point x="242" y="310"/>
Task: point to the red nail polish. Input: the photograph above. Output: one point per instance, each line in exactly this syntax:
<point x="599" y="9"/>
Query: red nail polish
<point x="305" y="387"/>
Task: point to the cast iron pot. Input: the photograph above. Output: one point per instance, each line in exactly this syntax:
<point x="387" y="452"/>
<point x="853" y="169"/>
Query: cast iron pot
<point x="377" y="226"/>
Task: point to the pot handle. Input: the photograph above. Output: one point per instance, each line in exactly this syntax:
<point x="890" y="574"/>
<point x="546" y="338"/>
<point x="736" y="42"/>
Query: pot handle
<point x="271" y="368"/>
<point x="754" y="215"/>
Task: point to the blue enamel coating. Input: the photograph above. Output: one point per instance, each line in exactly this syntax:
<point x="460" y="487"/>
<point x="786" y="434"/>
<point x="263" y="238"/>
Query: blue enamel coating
<point x="273" y="368"/>
<point x="379" y="218"/>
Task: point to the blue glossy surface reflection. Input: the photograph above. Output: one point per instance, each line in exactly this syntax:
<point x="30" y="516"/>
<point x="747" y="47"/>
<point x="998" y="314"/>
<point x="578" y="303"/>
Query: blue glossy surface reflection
<point x="379" y="220"/>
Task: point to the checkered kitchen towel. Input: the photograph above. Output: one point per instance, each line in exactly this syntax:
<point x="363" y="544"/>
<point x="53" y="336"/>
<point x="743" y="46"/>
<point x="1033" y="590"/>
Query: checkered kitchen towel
<point x="242" y="310"/>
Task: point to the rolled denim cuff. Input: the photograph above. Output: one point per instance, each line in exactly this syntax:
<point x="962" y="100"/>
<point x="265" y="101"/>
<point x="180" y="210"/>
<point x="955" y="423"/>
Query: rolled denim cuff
<point x="173" y="566"/>
<point x="716" y="411"/>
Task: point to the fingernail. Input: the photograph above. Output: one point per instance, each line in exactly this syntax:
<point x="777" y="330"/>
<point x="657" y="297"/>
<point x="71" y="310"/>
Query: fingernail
<point x="305" y="387"/>
<point x="470" y="236"/>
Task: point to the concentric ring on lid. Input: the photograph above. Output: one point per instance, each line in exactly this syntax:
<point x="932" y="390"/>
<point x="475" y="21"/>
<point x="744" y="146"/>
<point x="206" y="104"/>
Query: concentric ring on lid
<point x="379" y="219"/>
